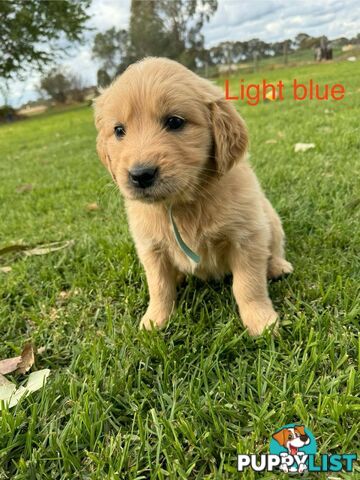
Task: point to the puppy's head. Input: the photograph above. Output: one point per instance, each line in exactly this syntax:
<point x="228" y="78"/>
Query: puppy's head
<point x="162" y="130"/>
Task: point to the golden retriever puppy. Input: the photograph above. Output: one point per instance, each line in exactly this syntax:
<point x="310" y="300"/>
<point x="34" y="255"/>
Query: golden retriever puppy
<point x="177" y="151"/>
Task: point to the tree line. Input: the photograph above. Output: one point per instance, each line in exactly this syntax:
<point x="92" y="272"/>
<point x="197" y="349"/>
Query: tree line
<point x="35" y="36"/>
<point x="116" y="49"/>
<point x="166" y="28"/>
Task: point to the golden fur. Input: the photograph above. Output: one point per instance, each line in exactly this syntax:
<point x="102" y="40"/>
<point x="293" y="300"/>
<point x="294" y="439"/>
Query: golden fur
<point x="218" y="205"/>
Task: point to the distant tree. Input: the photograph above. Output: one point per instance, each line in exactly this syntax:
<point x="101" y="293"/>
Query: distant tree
<point x="226" y="53"/>
<point x="340" y="42"/>
<point x="28" y="29"/>
<point x="170" y="28"/>
<point x="301" y="39"/>
<point x="304" y="41"/>
<point x="183" y="21"/>
<point x="103" y="78"/>
<point x="278" y="48"/>
<point x="146" y="30"/>
<point x="76" y="90"/>
<point x="111" y="48"/>
<point x="167" y="28"/>
<point x="262" y="48"/>
<point x="283" y="48"/>
<point x="56" y="85"/>
<point x="62" y="85"/>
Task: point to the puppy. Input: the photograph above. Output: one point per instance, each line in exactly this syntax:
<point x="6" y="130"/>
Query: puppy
<point x="177" y="151"/>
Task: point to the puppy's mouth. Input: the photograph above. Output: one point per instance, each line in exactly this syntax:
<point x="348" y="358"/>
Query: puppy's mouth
<point x="160" y="191"/>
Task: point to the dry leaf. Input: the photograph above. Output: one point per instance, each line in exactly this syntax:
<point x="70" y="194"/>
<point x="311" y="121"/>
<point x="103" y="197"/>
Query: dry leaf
<point x="16" y="396"/>
<point x="5" y="269"/>
<point x="90" y="207"/>
<point x="10" y="396"/>
<point x="37" y="379"/>
<point x="6" y="391"/>
<point x="25" y="187"/>
<point x="39" y="250"/>
<point x="27" y="359"/>
<point x="13" y="248"/>
<point x="4" y="381"/>
<point x="9" y="365"/>
<point x="271" y="141"/>
<point x="48" y="248"/>
<point x="302" y="147"/>
<point x="40" y="350"/>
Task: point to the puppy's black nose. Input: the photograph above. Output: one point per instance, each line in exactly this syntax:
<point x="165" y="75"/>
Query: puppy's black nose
<point x="143" y="177"/>
<point x="303" y="438"/>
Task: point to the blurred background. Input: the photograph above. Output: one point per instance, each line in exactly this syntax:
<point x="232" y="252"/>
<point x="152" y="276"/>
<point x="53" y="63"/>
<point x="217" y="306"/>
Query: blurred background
<point x="58" y="53"/>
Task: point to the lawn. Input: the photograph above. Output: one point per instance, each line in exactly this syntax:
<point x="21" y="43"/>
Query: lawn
<point x="180" y="403"/>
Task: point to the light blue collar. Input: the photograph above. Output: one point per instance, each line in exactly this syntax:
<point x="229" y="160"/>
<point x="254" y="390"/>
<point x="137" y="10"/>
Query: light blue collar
<point x="187" y="250"/>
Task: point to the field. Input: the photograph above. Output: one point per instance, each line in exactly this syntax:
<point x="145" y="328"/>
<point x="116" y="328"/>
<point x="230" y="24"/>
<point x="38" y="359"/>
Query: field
<point x="181" y="403"/>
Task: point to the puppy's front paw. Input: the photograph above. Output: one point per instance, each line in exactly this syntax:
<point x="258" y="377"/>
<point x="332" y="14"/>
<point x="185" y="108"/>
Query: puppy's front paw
<point x="151" y="321"/>
<point x="278" y="267"/>
<point x="257" y="317"/>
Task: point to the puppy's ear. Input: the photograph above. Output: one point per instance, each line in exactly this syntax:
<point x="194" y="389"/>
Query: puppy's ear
<point x="280" y="437"/>
<point x="300" y="429"/>
<point x="229" y="133"/>
<point x="99" y="124"/>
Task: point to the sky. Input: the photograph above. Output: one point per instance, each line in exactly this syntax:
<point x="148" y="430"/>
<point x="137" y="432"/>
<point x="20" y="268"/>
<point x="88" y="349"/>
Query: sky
<point x="269" y="20"/>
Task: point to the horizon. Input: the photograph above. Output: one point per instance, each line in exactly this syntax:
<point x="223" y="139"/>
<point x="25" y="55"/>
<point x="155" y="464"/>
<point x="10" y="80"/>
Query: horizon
<point x="270" y="21"/>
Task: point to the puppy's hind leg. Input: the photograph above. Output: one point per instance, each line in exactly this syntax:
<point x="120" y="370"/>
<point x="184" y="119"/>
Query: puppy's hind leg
<point x="277" y="264"/>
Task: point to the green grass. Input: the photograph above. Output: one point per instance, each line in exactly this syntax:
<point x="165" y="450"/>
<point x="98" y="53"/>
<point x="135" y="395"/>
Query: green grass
<point x="181" y="403"/>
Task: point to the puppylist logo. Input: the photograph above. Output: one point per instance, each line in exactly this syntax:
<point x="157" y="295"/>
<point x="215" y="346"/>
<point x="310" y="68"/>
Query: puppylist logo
<point x="293" y="450"/>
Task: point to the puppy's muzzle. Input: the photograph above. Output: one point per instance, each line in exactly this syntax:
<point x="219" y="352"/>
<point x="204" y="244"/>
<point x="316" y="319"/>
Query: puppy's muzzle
<point x="143" y="176"/>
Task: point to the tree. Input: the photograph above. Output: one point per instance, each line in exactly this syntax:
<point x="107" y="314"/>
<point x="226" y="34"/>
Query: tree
<point x="170" y="28"/>
<point x="30" y="32"/>
<point x="103" y="78"/>
<point x="62" y="85"/>
<point x="301" y="39"/>
<point x="56" y="85"/>
<point x="305" y="41"/>
<point x="111" y="48"/>
<point x="183" y="21"/>
<point x="227" y="53"/>
<point x="146" y="31"/>
<point x="167" y="28"/>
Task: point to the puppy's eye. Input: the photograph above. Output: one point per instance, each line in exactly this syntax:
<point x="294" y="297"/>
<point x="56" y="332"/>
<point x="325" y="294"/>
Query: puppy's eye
<point x="119" y="131"/>
<point x="290" y="436"/>
<point x="174" y="123"/>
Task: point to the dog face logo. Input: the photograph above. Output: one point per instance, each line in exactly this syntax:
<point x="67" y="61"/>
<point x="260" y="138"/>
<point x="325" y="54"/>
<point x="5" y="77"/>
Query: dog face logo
<point x="293" y="443"/>
<point x="292" y="438"/>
